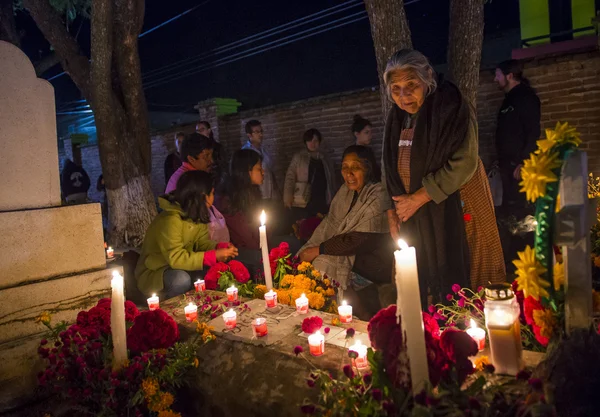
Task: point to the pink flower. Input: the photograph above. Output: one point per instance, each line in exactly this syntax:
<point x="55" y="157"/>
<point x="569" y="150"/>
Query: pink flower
<point x="455" y="287"/>
<point x="298" y="350"/>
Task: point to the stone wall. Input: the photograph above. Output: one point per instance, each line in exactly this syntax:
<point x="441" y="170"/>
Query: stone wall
<point x="568" y="86"/>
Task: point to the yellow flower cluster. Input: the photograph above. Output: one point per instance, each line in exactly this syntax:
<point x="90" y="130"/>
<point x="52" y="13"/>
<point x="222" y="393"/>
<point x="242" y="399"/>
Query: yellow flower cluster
<point x="529" y="272"/>
<point x="558" y="275"/>
<point x="304" y="266"/>
<point x="205" y="331"/>
<point x="481" y="362"/>
<point x="260" y="291"/>
<point x="44" y="318"/>
<point x="157" y="401"/>
<point x="546" y="322"/>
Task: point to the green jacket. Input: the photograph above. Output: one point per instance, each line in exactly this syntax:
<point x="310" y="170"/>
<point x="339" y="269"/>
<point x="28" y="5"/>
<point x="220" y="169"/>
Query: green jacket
<point x="170" y="242"/>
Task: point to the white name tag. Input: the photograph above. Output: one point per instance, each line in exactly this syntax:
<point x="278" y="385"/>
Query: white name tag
<point x="405" y="143"/>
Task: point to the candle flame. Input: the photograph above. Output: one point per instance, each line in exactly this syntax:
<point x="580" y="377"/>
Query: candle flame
<point x="402" y="244"/>
<point x="153" y="295"/>
<point x="344" y="303"/>
<point x="318" y="332"/>
<point x="303" y="295"/>
<point x="110" y="248"/>
<point x="263" y="218"/>
<point x="232" y="287"/>
<point x="473" y="324"/>
<point x="191" y="304"/>
<point x="116" y="274"/>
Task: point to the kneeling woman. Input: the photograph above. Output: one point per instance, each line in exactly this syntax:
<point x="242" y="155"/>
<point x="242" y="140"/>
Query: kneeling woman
<point x="354" y="236"/>
<point x="177" y="246"/>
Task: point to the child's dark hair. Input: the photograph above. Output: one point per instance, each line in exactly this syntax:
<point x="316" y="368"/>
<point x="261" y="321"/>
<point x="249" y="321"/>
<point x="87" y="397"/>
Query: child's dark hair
<point x="242" y="194"/>
<point x="310" y="134"/>
<point x="359" y="123"/>
<point x="192" y="189"/>
<point x="366" y="155"/>
<point x="251" y="125"/>
<point x="194" y="144"/>
<point x="207" y="125"/>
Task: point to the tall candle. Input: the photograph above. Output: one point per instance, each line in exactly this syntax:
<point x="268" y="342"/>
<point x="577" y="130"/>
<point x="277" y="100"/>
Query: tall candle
<point x="117" y="321"/>
<point x="264" y="246"/>
<point x="345" y="312"/>
<point x="153" y="302"/>
<point x="408" y="306"/>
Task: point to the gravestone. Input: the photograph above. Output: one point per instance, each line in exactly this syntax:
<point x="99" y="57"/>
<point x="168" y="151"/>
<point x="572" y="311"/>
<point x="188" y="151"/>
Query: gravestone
<point x="52" y="257"/>
<point x="573" y="223"/>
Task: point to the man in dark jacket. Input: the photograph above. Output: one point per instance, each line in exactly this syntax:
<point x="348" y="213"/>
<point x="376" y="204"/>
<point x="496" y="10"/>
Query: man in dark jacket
<point x="74" y="183"/>
<point x="517" y="132"/>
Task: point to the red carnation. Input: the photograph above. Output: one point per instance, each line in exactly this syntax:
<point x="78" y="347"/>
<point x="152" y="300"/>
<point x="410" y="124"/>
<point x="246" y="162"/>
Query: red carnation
<point x="97" y="317"/>
<point x="239" y="271"/>
<point x="311" y="324"/>
<point x="131" y="311"/>
<point x="284" y="248"/>
<point x="458" y="346"/>
<point x="152" y="330"/>
<point x="211" y="278"/>
<point x="529" y="306"/>
<point x="104" y="303"/>
<point x="431" y="325"/>
<point x="381" y="326"/>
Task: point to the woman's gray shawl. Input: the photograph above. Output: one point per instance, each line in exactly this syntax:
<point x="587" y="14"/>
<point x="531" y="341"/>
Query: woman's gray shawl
<point x="367" y="215"/>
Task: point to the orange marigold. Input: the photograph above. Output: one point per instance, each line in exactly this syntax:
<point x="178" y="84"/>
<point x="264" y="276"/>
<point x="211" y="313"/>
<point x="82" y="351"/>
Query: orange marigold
<point x="546" y="322"/>
<point x="597" y="261"/>
<point x="149" y="387"/>
<point x="315" y="300"/>
<point x="480" y="362"/>
<point x="168" y="413"/>
<point x="330" y="292"/>
<point x="596" y="301"/>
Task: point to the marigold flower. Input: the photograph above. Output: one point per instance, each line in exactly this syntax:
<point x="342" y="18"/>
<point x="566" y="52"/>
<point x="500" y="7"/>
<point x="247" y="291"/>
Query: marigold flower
<point x="335" y="321"/>
<point x="330" y="292"/>
<point x="558" y="275"/>
<point x="260" y="291"/>
<point x="304" y="266"/>
<point x="327" y="282"/>
<point x="315" y="300"/>
<point x="44" y="318"/>
<point x="481" y="362"/>
<point x="597" y="261"/>
<point x="545" y="320"/>
<point x="149" y="387"/>
<point x="168" y="413"/>
<point x="528" y="274"/>
<point x="596" y="301"/>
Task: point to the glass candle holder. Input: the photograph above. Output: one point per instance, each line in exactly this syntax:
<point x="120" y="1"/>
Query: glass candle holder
<point x="478" y="335"/>
<point x="232" y="294"/>
<point x="345" y="312"/>
<point x="200" y="285"/>
<point x="271" y="299"/>
<point x="153" y="302"/>
<point x="191" y="312"/>
<point x="302" y="304"/>
<point x="259" y="327"/>
<point x="110" y="252"/>
<point x="360" y="361"/>
<point x="504" y="330"/>
<point x="230" y="319"/>
<point x="316" y="344"/>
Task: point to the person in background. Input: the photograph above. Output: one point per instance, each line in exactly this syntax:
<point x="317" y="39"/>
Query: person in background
<point x="196" y="150"/>
<point x="352" y="244"/>
<point x="254" y="132"/>
<point x="362" y="129"/>
<point x="74" y="183"/>
<point x="173" y="160"/>
<point x="101" y="188"/>
<point x="310" y="180"/>
<point x="220" y="159"/>
<point x="177" y="247"/>
<point x="517" y="132"/>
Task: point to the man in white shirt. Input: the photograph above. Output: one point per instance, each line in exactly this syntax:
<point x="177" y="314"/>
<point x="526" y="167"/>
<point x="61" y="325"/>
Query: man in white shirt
<point x="254" y="131"/>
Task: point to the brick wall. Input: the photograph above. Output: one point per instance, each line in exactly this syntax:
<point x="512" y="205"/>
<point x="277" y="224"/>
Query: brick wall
<point x="568" y="87"/>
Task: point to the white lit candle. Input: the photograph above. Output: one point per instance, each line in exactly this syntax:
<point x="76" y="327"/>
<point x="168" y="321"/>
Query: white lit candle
<point x="200" y="285"/>
<point x="264" y="246"/>
<point x="230" y="319"/>
<point x="345" y="312"/>
<point x="110" y="252"/>
<point x="316" y="344"/>
<point x="361" y="361"/>
<point x="259" y="327"/>
<point x="408" y="306"/>
<point x="478" y="335"/>
<point x="232" y="293"/>
<point x="271" y="299"/>
<point x="302" y="304"/>
<point x="153" y="302"/>
<point x="117" y="321"/>
<point x="191" y="312"/>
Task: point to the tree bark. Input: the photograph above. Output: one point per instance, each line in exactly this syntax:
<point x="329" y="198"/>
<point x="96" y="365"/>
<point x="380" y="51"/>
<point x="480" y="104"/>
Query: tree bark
<point x="464" y="46"/>
<point x="8" y="27"/>
<point x="390" y="32"/>
<point x="46" y="63"/>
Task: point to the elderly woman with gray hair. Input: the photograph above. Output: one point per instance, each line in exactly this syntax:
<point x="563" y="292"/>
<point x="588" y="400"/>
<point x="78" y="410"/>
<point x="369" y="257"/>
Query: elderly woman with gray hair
<point x="441" y="201"/>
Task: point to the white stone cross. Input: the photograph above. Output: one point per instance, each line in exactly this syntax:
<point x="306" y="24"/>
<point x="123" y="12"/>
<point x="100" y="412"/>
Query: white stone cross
<point x="573" y="223"/>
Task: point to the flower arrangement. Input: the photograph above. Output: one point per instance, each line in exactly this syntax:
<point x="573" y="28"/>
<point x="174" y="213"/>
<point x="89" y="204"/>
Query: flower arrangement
<point x="223" y="275"/>
<point x="311" y="324"/>
<point x="78" y="362"/>
<point x="281" y="261"/>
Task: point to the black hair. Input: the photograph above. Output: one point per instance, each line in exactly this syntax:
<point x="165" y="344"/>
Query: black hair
<point x="206" y="125"/>
<point x="192" y="189"/>
<point x="367" y="157"/>
<point x="243" y="195"/>
<point x="194" y="144"/>
<point x="359" y="123"/>
<point x="251" y="125"/>
<point x="310" y="134"/>
<point x="514" y="67"/>
<point x="179" y="134"/>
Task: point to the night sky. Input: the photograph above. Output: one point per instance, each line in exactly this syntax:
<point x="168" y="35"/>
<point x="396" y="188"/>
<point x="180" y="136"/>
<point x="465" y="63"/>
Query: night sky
<point x="340" y="59"/>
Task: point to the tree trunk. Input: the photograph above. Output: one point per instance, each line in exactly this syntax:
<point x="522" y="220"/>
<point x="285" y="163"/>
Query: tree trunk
<point x="464" y="46"/>
<point x="112" y="85"/>
<point x="8" y="27"/>
<point x="390" y="32"/>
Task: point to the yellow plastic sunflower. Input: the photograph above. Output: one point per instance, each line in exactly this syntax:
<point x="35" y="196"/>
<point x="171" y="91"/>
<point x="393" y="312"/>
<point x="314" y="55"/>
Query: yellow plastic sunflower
<point x="537" y="173"/>
<point x="562" y="133"/>
<point x="558" y="275"/>
<point x="529" y="272"/>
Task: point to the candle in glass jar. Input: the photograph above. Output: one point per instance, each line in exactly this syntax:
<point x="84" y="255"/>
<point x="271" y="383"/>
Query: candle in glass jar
<point x="360" y="361"/>
<point x="232" y="293"/>
<point x="316" y="344"/>
<point x="302" y="304"/>
<point x="259" y="327"/>
<point x="264" y="246"/>
<point x="345" y="312"/>
<point x="478" y="335"/>
<point x="153" y="302"/>
<point x="200" y="285"/>
<point x="110" y="252"/>
<point x="271" y="299"/>
<point x="191" y="312"/>
<point x="230" y="319"/>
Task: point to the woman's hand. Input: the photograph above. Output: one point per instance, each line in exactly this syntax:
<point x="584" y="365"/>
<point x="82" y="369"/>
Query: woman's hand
<point x="408" y="204"/>
<point x="225" y="254"/>
<point x="394" y="225"/>
<point x="309" y="254"/>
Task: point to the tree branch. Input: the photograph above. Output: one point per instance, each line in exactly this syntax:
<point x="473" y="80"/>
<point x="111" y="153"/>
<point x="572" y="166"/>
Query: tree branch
<point x="73" y="61"/>
<point x="46" y="63"/>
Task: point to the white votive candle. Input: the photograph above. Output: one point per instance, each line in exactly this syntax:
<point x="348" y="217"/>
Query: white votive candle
<point x="191" y="312"/>
<point x="302" y="304"/>
<point x="345" y="312"/>
<point x="316" y="344"/>
<point x="200" y="285"/>
<point x="153" y="302"/>
<point x="478" y="335"/>
<point x="271" y="299"/>
<point x="230" y="319"/>
<point x="232" y="293"/>
<point x="110" y="252"/>
<point x="361" y="361"/>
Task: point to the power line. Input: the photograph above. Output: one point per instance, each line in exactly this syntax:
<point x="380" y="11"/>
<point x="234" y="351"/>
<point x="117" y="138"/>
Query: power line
<point x="258" y="36"/>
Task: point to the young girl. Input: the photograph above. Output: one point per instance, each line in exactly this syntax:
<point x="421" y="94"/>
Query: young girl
<point x="177" y="246"/>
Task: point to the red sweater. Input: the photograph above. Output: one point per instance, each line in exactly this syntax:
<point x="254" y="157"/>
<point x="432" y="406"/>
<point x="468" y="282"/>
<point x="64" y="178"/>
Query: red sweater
<point x="242" y="231"/>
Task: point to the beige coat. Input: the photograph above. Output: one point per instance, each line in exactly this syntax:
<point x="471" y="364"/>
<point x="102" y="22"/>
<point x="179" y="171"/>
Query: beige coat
<point x="298" y="172"/>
